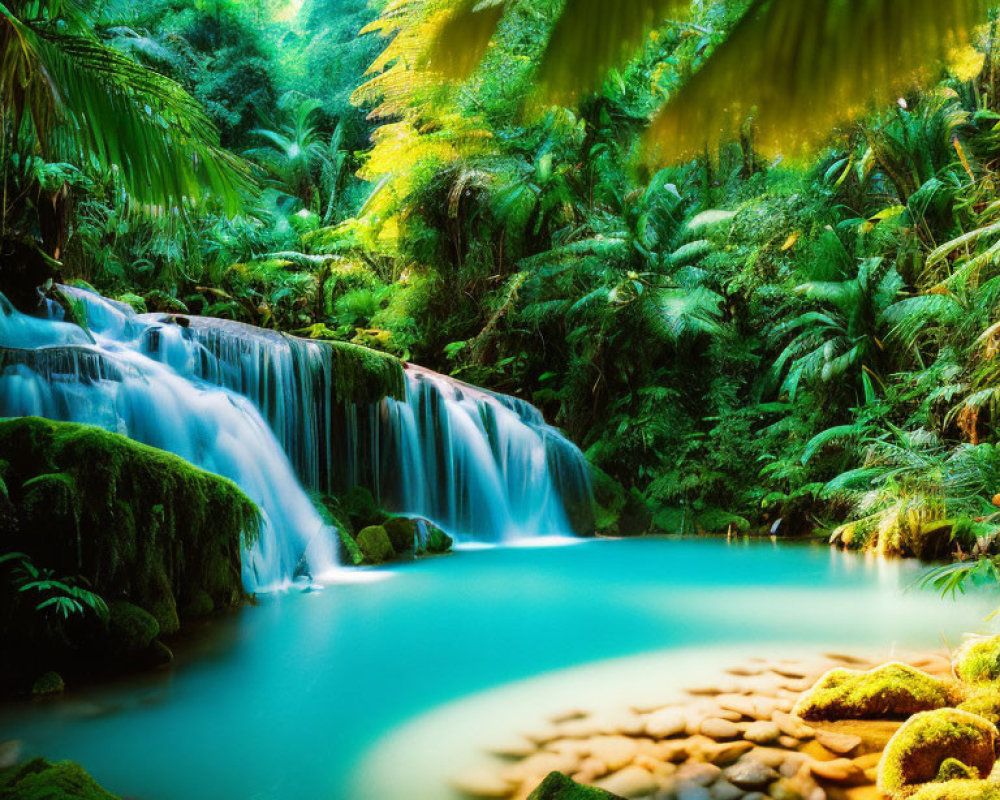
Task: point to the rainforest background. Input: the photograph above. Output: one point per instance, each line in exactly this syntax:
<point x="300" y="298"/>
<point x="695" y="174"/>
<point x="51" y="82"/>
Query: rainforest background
<point x="739" y="340"/>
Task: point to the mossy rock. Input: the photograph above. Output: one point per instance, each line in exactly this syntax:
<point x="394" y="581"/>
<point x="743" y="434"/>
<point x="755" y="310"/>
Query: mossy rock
<point x="375" y="545"/>
<point x="49" y="683"/>
<point x="358" y="505"/>
<point x="402" y="533"/>
<point x="984" y="701"/>
<point x="132" y="629"/>
<point x="978" y="661"/>
<point x="958" y="790"/>
<point x="891" y="691"/>
<point x="38" y="779"/>
<point x="915" y="755"/>
<point x="431" y="540"/>
<point x="557" y="786"/>
<point x="363" y="376"/>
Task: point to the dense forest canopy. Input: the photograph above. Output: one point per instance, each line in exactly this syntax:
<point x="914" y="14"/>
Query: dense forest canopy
<point x="757" y="281"/>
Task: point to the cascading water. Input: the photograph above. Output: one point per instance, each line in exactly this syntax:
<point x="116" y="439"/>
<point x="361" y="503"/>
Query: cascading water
<point x="254" y="405"/>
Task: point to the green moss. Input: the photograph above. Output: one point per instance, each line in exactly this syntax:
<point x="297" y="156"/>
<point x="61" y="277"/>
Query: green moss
<point x="402" y="533"/>
<point x="959" y="790"/>
<point x="952" y="769"/>
<point x="363" y="376"/>
<point x="200" y="605"/>
<point x="42" y="780"/>
<point x="49" y="683"/>
<point x="918" y="751"/>
<point x="984" y="701"/>
<point x="557" y="786"/>
<point x="978" y="661"/>
<point x="359" y="507"/>
<point x="161" y="301"/>
<point x="892" y="691"/>
<point x="136" y="522"/>
<point x="375" y="545"/>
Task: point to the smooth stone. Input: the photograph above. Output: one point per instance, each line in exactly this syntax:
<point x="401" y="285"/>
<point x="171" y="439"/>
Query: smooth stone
<point x="762" y="732"/>
<point x="629" y="782"/>
<point x="692" y="791"/>
<point x="541" y="764"/>
<point x="790" y="725"/>
<point x="840" y="743"/>
<point x="698" y="772"/>
<point x="666" y="722"/>
<point x="785" y="789"/>
<point x="675" y="751"/>
<point x="841" y="770"/>
<point x="719" y="729"/>
<point x="789" y="742"/>
<point x="724" y="790"/>
<point x="725" y="753"/>
<point x="748" y="773"/>
<point x="517" y="747"/>
<point x="615" y="751"/>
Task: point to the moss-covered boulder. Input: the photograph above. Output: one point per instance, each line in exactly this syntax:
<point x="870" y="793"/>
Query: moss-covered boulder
<point x="402" y="533"/>
<point x="978" y="660"/>
<point x="359" y="508"/>
<point x="982" y="700"/>
<point x="557" y="786"/>
<point x="123" y="520"/>
<point x="891" y="691"/>
<point x="375" y="545"/>
<point x="48" y="683"/>
<point x="958" y="790"/>
<point x="39" y="779"/>
<point x="916" y="753"/>
<point x="431" y="540"/>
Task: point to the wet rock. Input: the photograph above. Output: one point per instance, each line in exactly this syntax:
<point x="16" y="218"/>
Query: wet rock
<point x="725" y="753"/>
<point x="891" y="691"/>
<point x="724" y="790"/>
<point x="699" y="773"/>
<point x="840" y="770"/>
<point x="915" y="754"/>
<point x="375" y="544"/>
<point x="839" y="743"/>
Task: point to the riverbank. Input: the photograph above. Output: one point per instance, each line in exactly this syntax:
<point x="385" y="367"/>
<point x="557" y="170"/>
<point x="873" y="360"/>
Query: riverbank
<point x="789" y="729"/>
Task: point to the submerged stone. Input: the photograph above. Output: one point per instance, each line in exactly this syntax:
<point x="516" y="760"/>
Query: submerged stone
<point x="919" y="750"/>
<point x="49" y="683"/>
<point x="886" y="692"/>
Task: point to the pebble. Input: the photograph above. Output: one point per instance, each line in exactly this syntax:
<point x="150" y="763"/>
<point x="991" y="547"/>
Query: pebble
<point x="629" y="782"/>
<point x="840" y="770"/>
<point x="541" y="764"/>
<point x="692" y="791"/>
<point x="666" y="722"/>
<point x="724" y="790"/>
<point x="839" y="743"/>
<point x="725" y="753"/>
<point x="716" y="728"/>
<point x="762" y="732"/>
<point x="698" y="772"/>
<point x="790" y="725"/>
<point x="748" y="773"/>
<point x="615" y="751"/>
<point x="516" y="747"/>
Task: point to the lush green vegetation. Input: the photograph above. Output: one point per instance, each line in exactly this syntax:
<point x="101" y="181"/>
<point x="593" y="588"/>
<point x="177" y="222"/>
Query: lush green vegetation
<point x="740" y="340"/>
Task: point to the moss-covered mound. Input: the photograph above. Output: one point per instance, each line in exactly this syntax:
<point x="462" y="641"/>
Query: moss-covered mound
<point x="978" y="660"/>
<point x="127" y="521"/>
<point x="363" y="376"/>
<point x="557" y="786"/>
<point x="925" y="748"/>
<point x="959" y="790"/>
<point x="39" y="779"/>
<point x="891" y="691"/>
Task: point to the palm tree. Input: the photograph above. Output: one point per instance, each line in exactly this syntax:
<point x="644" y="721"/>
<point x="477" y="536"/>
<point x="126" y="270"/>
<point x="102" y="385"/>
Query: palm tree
<point x="797" y="68"/>
<point x="88" y="104"/>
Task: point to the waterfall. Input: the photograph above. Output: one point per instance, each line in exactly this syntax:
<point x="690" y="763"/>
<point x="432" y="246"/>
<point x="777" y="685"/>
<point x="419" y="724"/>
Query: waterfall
<point x="265" y="410"/>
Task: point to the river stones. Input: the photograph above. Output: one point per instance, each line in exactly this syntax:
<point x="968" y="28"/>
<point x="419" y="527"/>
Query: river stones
<point x="762" y="732"/>
<point x="615" y="751"/>
<point x="630" y="782"/>
<point x="840" y="743"/>
<point x="716" y="728"/>
<point x="666" y="722"/>
<point x="749" y="773"/>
